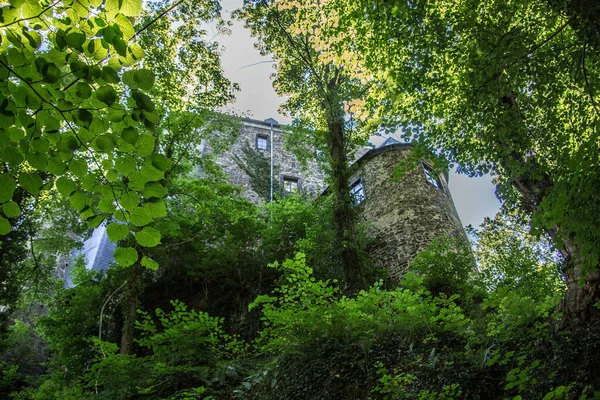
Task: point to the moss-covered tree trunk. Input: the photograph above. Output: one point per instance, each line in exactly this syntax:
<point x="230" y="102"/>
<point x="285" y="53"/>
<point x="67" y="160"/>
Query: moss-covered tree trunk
<point x="344" y="216"/>
<point x="130" y="311"/>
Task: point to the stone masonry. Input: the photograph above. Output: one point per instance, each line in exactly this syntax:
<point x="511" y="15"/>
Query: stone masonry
<point x="403" y="216"/>
<point x="310" y="180"/>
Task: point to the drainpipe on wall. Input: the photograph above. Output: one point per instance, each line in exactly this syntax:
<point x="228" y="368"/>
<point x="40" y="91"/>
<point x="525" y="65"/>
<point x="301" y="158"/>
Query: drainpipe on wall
<point x="271" y="162"/>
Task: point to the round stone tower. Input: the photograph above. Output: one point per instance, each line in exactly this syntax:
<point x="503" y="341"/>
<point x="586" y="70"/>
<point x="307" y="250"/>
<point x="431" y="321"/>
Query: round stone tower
<point x="403" y="216"/>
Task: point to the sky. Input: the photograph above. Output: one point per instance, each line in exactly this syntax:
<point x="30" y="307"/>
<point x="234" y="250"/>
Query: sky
<point x="474" y="198"/>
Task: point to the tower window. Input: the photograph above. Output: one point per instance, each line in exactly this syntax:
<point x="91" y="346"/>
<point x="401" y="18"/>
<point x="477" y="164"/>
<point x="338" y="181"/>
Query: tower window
<point x="357" y="192"/>
<point x="431" y="177"/>
<point x="262" y="142"/>
<point x="291" y="185"/>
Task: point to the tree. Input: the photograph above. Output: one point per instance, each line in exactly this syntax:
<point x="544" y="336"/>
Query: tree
<point x="507" y="88"/>
<point x="318" y="93"/>
<point x="77" y="113"/>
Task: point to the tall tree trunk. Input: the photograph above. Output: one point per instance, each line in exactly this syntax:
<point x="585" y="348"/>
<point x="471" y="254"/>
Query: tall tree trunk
<point x="583" y="288"/>
<point x="130" y="312"/>
<point x="344" y="217"/>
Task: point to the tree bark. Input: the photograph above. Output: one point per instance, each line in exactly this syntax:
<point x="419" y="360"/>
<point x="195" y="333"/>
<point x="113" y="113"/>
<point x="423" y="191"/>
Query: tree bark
<point x="583" y="288"/>
<point x="344" y="216"/>
<point x="130" y="312"/>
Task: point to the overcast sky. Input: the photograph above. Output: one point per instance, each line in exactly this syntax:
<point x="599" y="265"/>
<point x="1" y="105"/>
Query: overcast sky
<point x="474" y="197"/>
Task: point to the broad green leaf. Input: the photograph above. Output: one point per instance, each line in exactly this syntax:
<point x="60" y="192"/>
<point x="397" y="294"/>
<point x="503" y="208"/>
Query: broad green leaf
<point x="154" y="189"/>
<point x="5" y="227"/>
<point x="78" y="201"/>
<point x="75" y="40"/>
<point x="125" y="165"/>
<point x="56" y="166"/>
<point x="117" y="231"/>
<point x="148" y="237"/>
<point x="95" y="222"/>
<point x="31" y="182"/>
<point x="125" y="26"/>
<point x="78" y="167"/>
<point x="83" y="90"/>
<point x="65" y="186"/>
<point x="126" y="256"/>
<point x="140" y="217"/>
<point x="110" y="75"/>
<point x="105" y="143"/>
<point x="156" y="207"/>
<point x="149" y="263"/>
<point x="11" y="209"/>
<point x="161" y="162"/>
<point x="106" y="94"/>
<point x="107" y="205"/>
<point x="129" y="200"/>
<point x="145" y="145"/>
<point x="130" y="135"/>
<point x="131" y="8"/>
<point x="144" y="79"/>
<point x="12" y="156"/>
<point x="149" y="173"/>
<point x="7" y="187"/>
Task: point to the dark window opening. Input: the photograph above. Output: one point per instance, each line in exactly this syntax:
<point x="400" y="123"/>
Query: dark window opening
<point x="291" y="185"/>
<point x="357" y="192"/>
<point x="432" y="177"/>
<point x="262" y="142"/>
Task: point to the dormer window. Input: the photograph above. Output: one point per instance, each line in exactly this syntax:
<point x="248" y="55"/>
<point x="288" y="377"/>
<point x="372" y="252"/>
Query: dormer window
<point x="357" y="192"/>
<point x="262" y="142"/>
<point x="432" y="177"/>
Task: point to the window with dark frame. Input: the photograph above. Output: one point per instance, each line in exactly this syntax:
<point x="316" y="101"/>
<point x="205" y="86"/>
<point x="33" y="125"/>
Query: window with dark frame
<point x="290" y="185"/>
<point x="432" y="177"/>
<point x="262" y="142"/>
<point x="357" y="192"/>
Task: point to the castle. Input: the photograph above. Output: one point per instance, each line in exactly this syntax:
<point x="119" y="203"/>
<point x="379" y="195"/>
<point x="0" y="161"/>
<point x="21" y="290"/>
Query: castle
<point x="403" y="215"/>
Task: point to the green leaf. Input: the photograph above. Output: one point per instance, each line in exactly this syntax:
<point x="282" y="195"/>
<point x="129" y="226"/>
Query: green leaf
<point x="129" y="200"/>
<point x="125" y="165"/>
<point x="161" y="162"/>
<point x="145" y="145"/>
<point x="65" y="186"/>
<point x="154" y="189"/>
<point x="7" y="187"/>
<point x="31" y="182"/>
<point x="148" y="237"/>
<point x="78" y="201"/>
<point x="131" y="8"/>
<point x="56" y="166"/>
<point x="156" y="207"/>
<point x="144" y="79"/>
<point x="130" y="135"/>
<point x="105" y="143"/>
<point x="95" y="222"/>
<point x="126" y="256"/>
<point x="75" y="40"/>
<point x="107" y="205"/>
<point x="140" y="217"/>
<point x="150" y="173"/>
<point x="11" y="209"/>
<point x="149" y="263"/>
<point x="117" y="231"/>
<point x="110" y="75"/>
<point x="83" y="90"/>
<point x="5" y="227"/>
<point x="78" y="167"/>
<point x="12" y="156"/>
<point x="106" y="94"/>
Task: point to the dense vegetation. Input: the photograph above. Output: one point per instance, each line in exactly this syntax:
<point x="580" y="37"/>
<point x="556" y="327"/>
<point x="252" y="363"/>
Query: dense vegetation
<point x="103" y="106"/>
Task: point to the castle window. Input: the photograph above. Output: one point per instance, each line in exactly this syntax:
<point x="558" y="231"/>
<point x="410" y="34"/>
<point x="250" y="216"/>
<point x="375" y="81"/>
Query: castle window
<point x="290" y="184"/>
<point x="357" y="192"/>
<point x="262" y="142"/>
<point x="431" y="176"/>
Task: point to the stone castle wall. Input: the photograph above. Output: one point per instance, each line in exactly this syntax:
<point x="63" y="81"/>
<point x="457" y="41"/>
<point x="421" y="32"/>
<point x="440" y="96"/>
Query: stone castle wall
<point x="287" y="165"/>
<point x="403" y="217"/>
